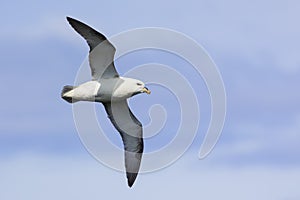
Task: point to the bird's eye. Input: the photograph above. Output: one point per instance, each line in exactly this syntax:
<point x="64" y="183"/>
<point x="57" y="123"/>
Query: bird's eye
<point x="139" y="84"/>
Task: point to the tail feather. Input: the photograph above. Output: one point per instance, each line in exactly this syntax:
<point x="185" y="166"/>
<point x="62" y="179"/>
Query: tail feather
<point x="66" y="89"/>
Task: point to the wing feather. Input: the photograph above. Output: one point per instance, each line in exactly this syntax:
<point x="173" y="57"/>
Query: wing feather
<point x="101" y="55"/>
<point x="131" y="131"/>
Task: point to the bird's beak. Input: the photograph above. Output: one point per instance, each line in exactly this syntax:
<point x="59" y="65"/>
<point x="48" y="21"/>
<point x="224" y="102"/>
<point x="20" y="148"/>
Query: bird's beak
<point x="146" y="90"/>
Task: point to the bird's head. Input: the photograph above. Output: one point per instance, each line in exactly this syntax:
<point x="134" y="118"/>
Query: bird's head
<point x="129" y="87"/>
<point x="134" y="86"/>
<point x="139" y="87"/>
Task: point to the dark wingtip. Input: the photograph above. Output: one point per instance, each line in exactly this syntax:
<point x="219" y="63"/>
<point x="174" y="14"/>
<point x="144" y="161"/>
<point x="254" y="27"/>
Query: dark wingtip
<point x="71" y="20"/>
<point x="130" y="184"/>
<point x="131" y="178"/>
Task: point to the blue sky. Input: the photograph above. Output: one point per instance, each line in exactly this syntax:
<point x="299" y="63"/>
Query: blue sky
<point x="255" y="44"/>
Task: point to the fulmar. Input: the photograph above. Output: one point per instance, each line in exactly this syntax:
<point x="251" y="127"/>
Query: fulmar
<point x="112" y="90"/>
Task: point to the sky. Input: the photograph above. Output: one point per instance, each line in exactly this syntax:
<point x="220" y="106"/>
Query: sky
<point x="255" y="46"/>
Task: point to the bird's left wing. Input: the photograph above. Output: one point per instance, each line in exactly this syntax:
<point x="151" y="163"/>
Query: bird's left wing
<point x="102" y="52"/>
<point x="131" y="131"/>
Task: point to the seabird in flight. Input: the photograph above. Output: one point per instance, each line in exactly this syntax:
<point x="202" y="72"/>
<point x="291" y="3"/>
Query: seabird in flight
<point x="112" y="90"/>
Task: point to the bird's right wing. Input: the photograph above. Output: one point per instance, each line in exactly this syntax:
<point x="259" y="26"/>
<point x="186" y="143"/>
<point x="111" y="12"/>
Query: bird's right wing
<point x="101" y="56"/>
<point x="131" y="131"/>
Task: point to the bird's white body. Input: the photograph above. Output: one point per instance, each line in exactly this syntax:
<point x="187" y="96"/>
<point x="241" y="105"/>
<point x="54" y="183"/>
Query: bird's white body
<point x="84" y="92"/>
<point x="121" y="88"/>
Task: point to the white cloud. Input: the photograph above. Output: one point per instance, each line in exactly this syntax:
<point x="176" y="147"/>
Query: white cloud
<point x="34" y="177"/>
<point x="258" y="143"/>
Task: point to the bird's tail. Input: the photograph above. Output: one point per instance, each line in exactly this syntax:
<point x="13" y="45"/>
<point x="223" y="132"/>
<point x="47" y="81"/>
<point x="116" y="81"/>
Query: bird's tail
<point x="66" y="89"/>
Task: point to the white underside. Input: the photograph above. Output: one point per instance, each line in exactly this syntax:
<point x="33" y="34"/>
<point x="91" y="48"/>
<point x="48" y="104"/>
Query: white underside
<point x="88" y="91"/>
<point x="85" y="92"/>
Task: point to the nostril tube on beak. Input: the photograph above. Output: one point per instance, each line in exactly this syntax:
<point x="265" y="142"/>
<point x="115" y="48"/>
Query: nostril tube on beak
<point x="146" y="90"/>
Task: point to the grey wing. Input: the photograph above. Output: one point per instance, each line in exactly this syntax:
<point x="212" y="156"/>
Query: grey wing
<point x="131" y="131"/>
<point x="101" y="56"/>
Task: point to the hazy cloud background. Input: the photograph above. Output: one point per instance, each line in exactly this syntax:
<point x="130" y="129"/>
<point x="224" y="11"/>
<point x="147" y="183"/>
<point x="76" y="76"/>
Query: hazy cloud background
<point x="255" y="44"/>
